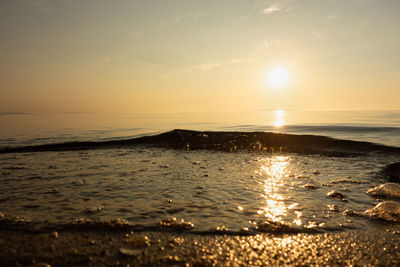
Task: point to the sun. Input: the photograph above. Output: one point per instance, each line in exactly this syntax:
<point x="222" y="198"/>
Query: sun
<point x="278" y="77"/>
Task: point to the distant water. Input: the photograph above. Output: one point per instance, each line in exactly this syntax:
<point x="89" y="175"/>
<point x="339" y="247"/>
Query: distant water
<point x="257" y="188"/>
<point x="381" y="127"/>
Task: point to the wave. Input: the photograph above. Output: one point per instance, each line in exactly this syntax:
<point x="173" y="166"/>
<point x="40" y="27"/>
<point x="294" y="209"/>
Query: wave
<point x="227" y="141"/>
<point x="119" y="225"/>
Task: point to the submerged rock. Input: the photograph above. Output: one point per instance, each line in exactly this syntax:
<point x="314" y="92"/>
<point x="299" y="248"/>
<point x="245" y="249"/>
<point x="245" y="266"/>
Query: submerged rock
<point x="386" y="190"/>
<point x="388" y="210"/>
<point x="392" y="172"/>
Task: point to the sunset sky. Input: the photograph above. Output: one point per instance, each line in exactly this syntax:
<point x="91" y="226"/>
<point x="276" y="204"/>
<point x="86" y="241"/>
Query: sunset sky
<point x="198" y="55"/>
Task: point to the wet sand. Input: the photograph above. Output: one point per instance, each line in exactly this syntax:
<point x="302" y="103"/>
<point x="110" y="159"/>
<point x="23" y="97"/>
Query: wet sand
<point x="103" y="248"/>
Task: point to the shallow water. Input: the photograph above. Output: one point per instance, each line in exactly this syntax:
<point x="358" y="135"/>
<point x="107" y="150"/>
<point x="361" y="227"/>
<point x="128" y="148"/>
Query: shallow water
<point x="216" y="191"/>
<point x="381" y="127"/>
<point x="213" y="190"/>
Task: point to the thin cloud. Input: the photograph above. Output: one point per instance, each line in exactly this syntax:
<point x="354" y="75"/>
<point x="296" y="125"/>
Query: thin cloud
<point x="213" y="65"/>
<point x="271" y="9"/>
<point x="277" y="6"/>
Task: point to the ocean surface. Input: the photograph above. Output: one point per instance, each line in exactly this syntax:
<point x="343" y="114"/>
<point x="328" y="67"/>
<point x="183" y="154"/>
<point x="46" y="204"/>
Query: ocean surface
<point x="229" y="175"/>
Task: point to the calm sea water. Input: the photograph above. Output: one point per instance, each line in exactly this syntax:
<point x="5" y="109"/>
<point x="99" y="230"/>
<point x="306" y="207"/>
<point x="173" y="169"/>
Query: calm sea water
<point x="216" y="191"/>
<point x="26" y="129"/>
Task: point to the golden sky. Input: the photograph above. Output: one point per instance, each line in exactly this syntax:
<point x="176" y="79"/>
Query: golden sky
<point x="191" y="55"/>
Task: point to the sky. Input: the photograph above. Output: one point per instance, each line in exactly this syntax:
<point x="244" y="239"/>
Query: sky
<point x="192" y="55"/>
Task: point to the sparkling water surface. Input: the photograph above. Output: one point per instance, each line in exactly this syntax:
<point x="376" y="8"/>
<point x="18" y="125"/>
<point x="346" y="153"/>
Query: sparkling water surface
<point x="210" y="189"/>
<point x="213" y="190"/>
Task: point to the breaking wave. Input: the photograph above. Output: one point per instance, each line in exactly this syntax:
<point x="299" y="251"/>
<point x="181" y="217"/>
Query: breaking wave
<point x="227" y="141"/>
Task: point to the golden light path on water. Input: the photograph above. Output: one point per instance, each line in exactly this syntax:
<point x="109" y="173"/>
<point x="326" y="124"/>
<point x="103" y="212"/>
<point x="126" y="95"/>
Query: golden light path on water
<point x="279" y="121"/>
<point x="275" y="169"/>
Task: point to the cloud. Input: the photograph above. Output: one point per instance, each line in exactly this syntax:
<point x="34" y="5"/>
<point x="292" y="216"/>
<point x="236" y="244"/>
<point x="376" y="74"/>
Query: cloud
<point x="277" y="6"/>
<point x="271" y="9"/>
<point x="213" y="65"/>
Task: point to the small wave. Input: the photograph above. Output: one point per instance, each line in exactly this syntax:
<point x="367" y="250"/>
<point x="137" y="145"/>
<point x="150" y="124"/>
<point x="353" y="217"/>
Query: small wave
<point x="229" y="142"/>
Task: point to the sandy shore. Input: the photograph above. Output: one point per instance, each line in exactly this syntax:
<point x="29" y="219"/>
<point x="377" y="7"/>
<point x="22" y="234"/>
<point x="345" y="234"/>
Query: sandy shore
<point x="119" y="248"/>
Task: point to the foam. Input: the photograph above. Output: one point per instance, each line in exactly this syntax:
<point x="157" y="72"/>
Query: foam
<point x="386" y="190"/>
<point x="387" y="210"/>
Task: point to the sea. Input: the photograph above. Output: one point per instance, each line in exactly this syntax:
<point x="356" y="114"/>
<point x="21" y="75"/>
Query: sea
<point x="220" y="173"/>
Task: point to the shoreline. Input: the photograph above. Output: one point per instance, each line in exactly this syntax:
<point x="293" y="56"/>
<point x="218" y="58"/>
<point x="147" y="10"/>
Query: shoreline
<point x="128" y="248"/>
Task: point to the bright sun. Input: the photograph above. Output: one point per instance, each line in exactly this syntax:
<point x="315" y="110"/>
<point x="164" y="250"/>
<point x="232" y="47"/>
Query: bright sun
<point x="278" y="77"/>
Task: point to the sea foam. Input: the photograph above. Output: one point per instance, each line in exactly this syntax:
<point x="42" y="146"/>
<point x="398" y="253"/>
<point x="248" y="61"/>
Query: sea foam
<point x="387" y="210"/>
<point x="386" y="190"/>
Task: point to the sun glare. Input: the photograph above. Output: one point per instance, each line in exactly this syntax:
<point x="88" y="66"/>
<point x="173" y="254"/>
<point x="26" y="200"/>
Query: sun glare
<point x="278" y="77"/>
<point x="279" y="121"/>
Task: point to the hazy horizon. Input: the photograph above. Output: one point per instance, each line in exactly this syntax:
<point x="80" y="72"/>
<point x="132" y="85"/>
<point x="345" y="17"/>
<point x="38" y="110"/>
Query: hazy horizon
<point x="198" y="56"/>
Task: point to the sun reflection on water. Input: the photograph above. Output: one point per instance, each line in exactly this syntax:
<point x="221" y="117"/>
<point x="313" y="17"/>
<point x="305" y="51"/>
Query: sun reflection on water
<point x="279" y="121"/>
<point x="276" y="170"/>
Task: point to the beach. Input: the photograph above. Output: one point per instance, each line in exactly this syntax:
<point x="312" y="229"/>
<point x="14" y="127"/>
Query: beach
<point x="113" y="248"/>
